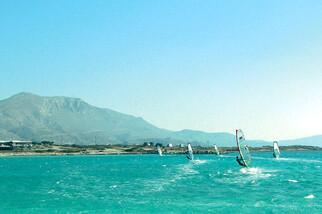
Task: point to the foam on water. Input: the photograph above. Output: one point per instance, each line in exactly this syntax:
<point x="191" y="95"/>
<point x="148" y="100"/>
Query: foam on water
<point x="199" y="161"/>
<point x="227" y="156"/>
<point x="244" y="175"/>
<point x="187" y="169"/>
<point x="292" y="181"/>
<point x="300" y="160"/>
<point x="182" y="171"/>
<point x="257" y="172"/>
<point x="287" y="159"/>
<point x="311" y="196"/>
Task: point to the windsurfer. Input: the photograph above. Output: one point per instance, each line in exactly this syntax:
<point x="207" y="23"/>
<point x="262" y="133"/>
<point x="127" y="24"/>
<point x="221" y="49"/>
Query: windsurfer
<point x="240" y="161"/>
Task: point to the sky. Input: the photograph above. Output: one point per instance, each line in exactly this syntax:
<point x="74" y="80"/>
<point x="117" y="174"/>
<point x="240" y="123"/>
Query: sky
<point x="210" y="65"/>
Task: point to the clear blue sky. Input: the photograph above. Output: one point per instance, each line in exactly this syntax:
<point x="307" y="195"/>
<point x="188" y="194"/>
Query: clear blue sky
<point x="206" y="65"/>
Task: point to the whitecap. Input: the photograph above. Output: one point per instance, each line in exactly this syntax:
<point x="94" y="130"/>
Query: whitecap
<point x="51" y="191"/>
<point x="199" y="161"/>
<point x="243" y="170"/>
<point x="113" y="186"/>
<point x="252" y="171"/>
<point x="292" y="181"/>
<point x="300" y="160"/>
<point x="187" y="169"/>
<point x="309" y="196"/>
<point x="257" y="172"/>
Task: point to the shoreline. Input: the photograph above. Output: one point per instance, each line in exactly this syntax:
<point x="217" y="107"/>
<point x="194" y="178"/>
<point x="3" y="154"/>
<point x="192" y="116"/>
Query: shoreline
<point x="90" y="150"/>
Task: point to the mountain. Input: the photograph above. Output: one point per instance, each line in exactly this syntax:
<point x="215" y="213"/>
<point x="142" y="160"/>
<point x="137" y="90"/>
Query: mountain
<point x="66" y="120"/>
<point x="306" y="141"/>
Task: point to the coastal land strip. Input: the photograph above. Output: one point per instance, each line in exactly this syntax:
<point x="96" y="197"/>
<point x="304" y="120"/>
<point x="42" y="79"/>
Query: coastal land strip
<point x="45" y="149"/>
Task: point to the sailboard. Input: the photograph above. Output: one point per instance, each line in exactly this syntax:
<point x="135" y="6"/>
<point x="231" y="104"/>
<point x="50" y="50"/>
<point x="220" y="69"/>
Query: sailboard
<point x="276" y="150"/>
<point x="245" y="157"/>
<point x="216" y="150"/>
<point x="190" y="152"/>
<point x="159" y="150"/>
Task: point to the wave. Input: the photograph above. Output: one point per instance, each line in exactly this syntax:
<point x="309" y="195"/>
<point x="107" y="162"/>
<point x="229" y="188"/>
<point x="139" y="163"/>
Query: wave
<point x="258" y="172"/>
<point x="299" y="160"/>
<point x="228" y="156"/>
<point x="292" y="181"/>
<point x="311" y="196"/>
<point x="244" y="175"/>
<point x="199" y="161"/>
<point x="288" y="159"/>
<point x="182" y="171"/>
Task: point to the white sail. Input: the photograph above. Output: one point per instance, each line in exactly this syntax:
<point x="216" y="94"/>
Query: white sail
<point x="243" y="149"/>
<point x="159" y="150"/>
<point x="276" y="150"/>
<point x="190" y="152"/>
<point x="216" y="150"/>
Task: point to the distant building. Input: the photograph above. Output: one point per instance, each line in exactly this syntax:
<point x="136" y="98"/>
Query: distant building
<point x="182" y="145"/>
<point x="170" y="145"/>
<point x="8" y="145"/>
<point x="21" y="144"/>
<point x="5" y="145"/>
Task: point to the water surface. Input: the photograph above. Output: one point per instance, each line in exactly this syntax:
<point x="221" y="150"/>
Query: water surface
<point x="168" y="184"/>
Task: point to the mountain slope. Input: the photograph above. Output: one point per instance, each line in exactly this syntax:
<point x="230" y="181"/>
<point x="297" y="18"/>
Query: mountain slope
<point x="67" y="120"/>
<point x="306" y="141"/>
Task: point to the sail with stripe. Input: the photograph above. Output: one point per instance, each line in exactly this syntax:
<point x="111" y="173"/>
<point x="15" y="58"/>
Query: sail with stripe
<point x="245" y="157"/>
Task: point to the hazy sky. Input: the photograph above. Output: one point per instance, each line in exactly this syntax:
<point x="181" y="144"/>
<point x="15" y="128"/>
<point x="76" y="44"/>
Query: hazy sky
<point x="206" y="65"/>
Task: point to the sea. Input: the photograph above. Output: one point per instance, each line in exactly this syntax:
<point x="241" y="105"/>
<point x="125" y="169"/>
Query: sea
<point x="161" y="184"/>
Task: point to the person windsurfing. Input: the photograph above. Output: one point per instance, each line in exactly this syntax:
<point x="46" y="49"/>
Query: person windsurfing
<point x="189" y="153"/>
<point x="240" y="161"/>
<point x="188" y="157"/>
<point x="244" y="158"/>
<point x="276" y="150"/>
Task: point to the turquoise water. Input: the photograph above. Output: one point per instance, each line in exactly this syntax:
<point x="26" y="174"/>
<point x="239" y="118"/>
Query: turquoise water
<point x="168" y="184"/>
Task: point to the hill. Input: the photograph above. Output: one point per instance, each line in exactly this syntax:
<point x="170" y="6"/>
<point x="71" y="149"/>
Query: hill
<point x="306" y="141"/>
<point x="67" y="120"/>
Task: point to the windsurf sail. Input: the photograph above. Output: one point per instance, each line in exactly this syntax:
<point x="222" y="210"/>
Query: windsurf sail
<point x="216" y="150"/>
<point x="190" y="152"/>
<point x="276" y="150"/>
<point x="245" y="157"/>
<point x="159" y="150"/>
